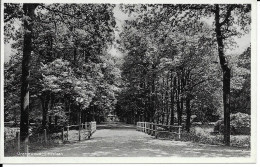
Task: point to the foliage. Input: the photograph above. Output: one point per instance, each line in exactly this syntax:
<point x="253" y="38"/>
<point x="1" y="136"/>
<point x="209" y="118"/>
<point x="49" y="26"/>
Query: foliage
<point x="202" y="135"/>
<point x="11" y="88"/>
<point x="70" y="66"/>
<point x="240" y="124"/>
<point x="169" y="70"/>
<point x="240" y="120"/>
<point x="10" y="133"/>
<point x="156" y="54"/>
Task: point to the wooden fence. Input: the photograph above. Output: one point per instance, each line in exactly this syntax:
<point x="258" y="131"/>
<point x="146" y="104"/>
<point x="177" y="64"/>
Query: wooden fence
<point x="86" y="129"/>
<point x="153" y="129"/>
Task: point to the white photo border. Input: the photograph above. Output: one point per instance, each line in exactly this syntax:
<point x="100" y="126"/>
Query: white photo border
<point x="60" y="160"/>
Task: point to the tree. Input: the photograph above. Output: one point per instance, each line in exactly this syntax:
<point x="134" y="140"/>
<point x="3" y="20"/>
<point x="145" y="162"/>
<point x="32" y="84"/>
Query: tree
<point x="53" y="32"/>
<point x="224" y="29"/>
<point x="229" y="21"/>
<point x="29" y="17"/>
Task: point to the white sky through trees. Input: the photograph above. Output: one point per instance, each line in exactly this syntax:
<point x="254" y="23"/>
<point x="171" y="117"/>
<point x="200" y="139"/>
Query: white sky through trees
<point x="242" y="43"/>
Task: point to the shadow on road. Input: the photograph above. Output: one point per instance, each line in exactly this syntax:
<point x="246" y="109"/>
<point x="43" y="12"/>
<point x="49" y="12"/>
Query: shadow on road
<point x="116" y="139"/>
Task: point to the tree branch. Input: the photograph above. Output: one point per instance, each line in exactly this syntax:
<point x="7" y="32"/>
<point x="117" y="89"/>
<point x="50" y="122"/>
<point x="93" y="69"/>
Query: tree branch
<point x="58" y="11"/>
<point x="228" y="14"/>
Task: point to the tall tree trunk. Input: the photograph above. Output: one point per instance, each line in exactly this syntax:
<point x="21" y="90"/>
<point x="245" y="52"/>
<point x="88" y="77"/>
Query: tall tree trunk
<point x="27" y="49"/>
<point x="181" y="111"/>
<point x="188" y="112"/>
<point x="178" y="102"/>
<point x="45" y="108"/>
<point x="172" y="100"/>
<point x="167" y="99"/>
<point x="93" y="113"/>
<point x="163" y="102"/>
<point x="226" y="76"/>
<point x="153" y="93"/>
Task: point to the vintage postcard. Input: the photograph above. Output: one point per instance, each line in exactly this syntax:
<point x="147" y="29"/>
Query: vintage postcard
<point x="128" y="81"/>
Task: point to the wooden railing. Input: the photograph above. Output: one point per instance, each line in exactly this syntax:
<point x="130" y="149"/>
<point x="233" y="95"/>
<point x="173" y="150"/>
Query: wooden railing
<point x="88" y="127"/>
<point x="153" y="129"/>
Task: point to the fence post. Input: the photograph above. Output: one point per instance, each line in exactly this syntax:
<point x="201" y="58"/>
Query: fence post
<point x="18" y="141"/>
<point x="155" y="134"/>
<point x="90" y="127"/>
<point x="45" y="136"/>
<point x="144" y="127"/>
<point x="151" y="131"/>
<point x="79" y="132"/>
<point x="154" y="130"/>
<point x="147" y="126"/>
<point x="150" y="128"/>
<point x="179" y="132"/>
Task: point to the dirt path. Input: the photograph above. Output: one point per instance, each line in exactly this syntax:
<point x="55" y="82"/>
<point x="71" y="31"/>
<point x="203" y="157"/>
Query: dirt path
<point x="127" y="142"/>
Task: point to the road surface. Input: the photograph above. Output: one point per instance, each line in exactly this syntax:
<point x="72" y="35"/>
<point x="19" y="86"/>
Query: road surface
<point x="120" y="140"/>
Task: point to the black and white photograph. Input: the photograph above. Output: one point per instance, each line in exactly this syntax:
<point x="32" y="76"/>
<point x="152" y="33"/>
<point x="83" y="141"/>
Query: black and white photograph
<point x="153" y="80"/>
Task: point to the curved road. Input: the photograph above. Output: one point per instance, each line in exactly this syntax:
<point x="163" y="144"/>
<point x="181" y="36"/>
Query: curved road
<point x="120" y="140"/>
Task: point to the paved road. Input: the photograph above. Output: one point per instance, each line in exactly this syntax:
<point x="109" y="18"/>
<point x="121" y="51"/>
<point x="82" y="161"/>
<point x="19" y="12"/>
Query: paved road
<point x="125" y="141"/>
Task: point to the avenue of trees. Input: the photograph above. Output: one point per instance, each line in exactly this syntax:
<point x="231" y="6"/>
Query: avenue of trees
<point x="175" y="66"/>
<point x="176" y="63"/>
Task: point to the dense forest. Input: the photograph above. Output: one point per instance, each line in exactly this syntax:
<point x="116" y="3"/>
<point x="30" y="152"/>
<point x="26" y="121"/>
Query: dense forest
<point x="175" y="67"/>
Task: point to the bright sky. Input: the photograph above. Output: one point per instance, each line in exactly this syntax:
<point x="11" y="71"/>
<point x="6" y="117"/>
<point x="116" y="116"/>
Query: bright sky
<point x="242" y="42"/>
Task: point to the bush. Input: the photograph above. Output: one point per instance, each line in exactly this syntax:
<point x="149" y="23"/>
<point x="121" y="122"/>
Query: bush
<point x="240" y="141"/>
<point x="239" y="124"/>
<point x="202" y="135"/>
<point x="240" y="120"/>
<point x="10" y="133"/>
<point x="164" y="135"/>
